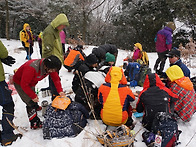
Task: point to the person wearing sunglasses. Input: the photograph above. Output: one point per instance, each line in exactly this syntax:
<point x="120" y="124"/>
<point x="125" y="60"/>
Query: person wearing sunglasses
<point x="174" y="59"/>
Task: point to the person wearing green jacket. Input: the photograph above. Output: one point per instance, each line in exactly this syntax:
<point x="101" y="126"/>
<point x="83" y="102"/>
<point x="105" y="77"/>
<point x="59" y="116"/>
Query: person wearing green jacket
<point x="6" y="101"/>
<point x="51" y="43"/>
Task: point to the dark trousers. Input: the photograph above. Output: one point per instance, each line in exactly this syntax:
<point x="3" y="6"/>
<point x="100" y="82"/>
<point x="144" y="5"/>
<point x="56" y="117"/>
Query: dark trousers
<point x="53" y="88"/>
<point x="8" y="110"/>
<point x="160" y="60"/>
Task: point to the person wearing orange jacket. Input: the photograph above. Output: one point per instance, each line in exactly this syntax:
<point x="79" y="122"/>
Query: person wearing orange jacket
<point x="74" y="58"/>
<point x="183" y="87"/>
<point x="27" y="38"/>
<point x="115" y="97"/>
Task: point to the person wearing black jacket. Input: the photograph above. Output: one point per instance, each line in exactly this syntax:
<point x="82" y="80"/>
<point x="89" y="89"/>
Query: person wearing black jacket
<point x="154" y="97"/>
<point x="101" y="51"/>
<point x="88" y="65"/>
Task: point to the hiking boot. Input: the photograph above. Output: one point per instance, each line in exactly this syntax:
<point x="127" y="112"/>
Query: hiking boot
<point x="36" y="125"/>
<point x="9" y="141"/>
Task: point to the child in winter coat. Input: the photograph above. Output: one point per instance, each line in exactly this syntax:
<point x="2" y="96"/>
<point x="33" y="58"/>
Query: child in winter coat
<point x="154" y="97"/>
<point x="115" y="98"/>
<point x="183" y="87"/>
<point x="28" y="75"/>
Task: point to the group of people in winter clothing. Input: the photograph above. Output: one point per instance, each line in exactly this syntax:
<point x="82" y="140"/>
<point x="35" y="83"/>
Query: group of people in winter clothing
<point x="97" y="83"/>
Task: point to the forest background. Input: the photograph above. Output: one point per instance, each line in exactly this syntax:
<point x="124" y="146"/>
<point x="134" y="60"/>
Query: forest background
<point x="119" y="22"/>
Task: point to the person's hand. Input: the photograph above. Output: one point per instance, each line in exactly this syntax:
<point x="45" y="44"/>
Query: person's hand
<point x="62" y="94"/>
<point x="35" y="99"/>
<point x="8" y="61"/>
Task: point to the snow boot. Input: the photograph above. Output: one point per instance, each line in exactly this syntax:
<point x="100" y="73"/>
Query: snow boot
<point x="9" y="141"/>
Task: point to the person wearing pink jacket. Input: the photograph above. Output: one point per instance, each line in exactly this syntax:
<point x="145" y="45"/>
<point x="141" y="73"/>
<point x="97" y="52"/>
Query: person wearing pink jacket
<point x="63" y="37"/>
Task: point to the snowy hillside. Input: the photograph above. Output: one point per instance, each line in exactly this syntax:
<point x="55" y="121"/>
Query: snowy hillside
<point x="34" y="138"/>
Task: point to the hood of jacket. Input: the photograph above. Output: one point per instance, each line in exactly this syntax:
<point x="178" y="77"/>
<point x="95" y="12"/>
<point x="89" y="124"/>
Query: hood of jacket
<point x="138" y="45"/>
<point x="176" y="75"/>
<point x="26" y="25"/>
<point x="151" y="80"/>
<point x="60" y="19"/>
<point x="115" y="76"/>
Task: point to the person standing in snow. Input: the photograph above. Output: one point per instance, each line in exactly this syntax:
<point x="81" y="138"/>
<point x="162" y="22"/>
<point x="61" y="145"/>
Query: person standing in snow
<point x="39" y="39"/>
<point x="7" y="134"/>
<point x="51" y="43"/>
<point x="182" y="86"/>
<point x="163" y="42"/>
<point x="27" y="39"/>
<point x="26" y="78"/>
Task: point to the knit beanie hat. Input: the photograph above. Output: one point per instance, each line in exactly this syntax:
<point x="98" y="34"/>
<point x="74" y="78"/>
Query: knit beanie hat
<point x="91" y="59"/>
<point x="52" y="62"/>
<point x="171" y="25"/>
<point x="110" y="57"/>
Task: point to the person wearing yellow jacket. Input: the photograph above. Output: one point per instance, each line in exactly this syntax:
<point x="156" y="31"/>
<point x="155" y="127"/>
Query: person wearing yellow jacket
<point x="115" y="97"/>
<point x="183" y="87"/>
<point x="27" y="38"/>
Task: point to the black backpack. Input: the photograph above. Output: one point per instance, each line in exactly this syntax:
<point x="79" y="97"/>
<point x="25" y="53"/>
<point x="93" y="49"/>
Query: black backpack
<point x="166" y="126"/>
<point x="193" y="80"/>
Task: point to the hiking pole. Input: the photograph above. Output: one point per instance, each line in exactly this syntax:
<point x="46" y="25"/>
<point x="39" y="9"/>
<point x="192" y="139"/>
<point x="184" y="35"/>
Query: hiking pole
<point x="85" y="90"/>
<point x="190" y="139"/>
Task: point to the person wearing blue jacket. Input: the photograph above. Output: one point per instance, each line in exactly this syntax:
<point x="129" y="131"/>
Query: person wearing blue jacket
<point x="174" y="59"/>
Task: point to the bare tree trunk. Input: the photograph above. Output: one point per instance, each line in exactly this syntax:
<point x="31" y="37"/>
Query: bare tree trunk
<point x="7" y="20"/>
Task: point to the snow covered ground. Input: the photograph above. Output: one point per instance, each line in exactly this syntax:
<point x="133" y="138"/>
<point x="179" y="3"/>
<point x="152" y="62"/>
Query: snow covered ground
<point x="34" y="138"/>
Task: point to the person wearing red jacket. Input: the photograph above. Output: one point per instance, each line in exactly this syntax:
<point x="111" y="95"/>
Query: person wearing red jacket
<point x="155" y="97"/>
<point x="26" y="78"/>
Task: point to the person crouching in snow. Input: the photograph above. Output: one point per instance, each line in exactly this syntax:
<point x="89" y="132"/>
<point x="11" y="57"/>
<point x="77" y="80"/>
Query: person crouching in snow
<point x="28" y="75"/>
<point x="155" y="97"/>
<point x="183" y="87"/>
<point x="115" y="98"/>
<point x="137" y="54"/>
<point x="109" y="61"/>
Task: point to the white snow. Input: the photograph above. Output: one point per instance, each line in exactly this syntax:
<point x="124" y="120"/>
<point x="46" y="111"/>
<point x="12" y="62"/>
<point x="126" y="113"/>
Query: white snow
<point x="34" y="138"/>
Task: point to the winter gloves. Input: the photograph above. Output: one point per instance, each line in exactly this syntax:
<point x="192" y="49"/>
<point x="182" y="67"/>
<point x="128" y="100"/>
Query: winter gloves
<point x="8" y="61"/>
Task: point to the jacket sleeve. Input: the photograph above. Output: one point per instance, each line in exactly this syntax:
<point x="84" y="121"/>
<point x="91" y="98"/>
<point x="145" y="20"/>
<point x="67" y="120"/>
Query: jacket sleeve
<point x="169" y="41"/>
<point x="23" y="37"/>
<point x="139" y="105"/>
<point x="56" y="79"/>
<point x="4" y="52"/>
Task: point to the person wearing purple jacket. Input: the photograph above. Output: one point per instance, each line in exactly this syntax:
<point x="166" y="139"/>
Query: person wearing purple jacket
<point x="163" y="42"/>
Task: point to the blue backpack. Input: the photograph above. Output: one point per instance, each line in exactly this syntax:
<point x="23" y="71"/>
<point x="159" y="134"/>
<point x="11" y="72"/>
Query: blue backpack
<point x="132" y="70"/>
